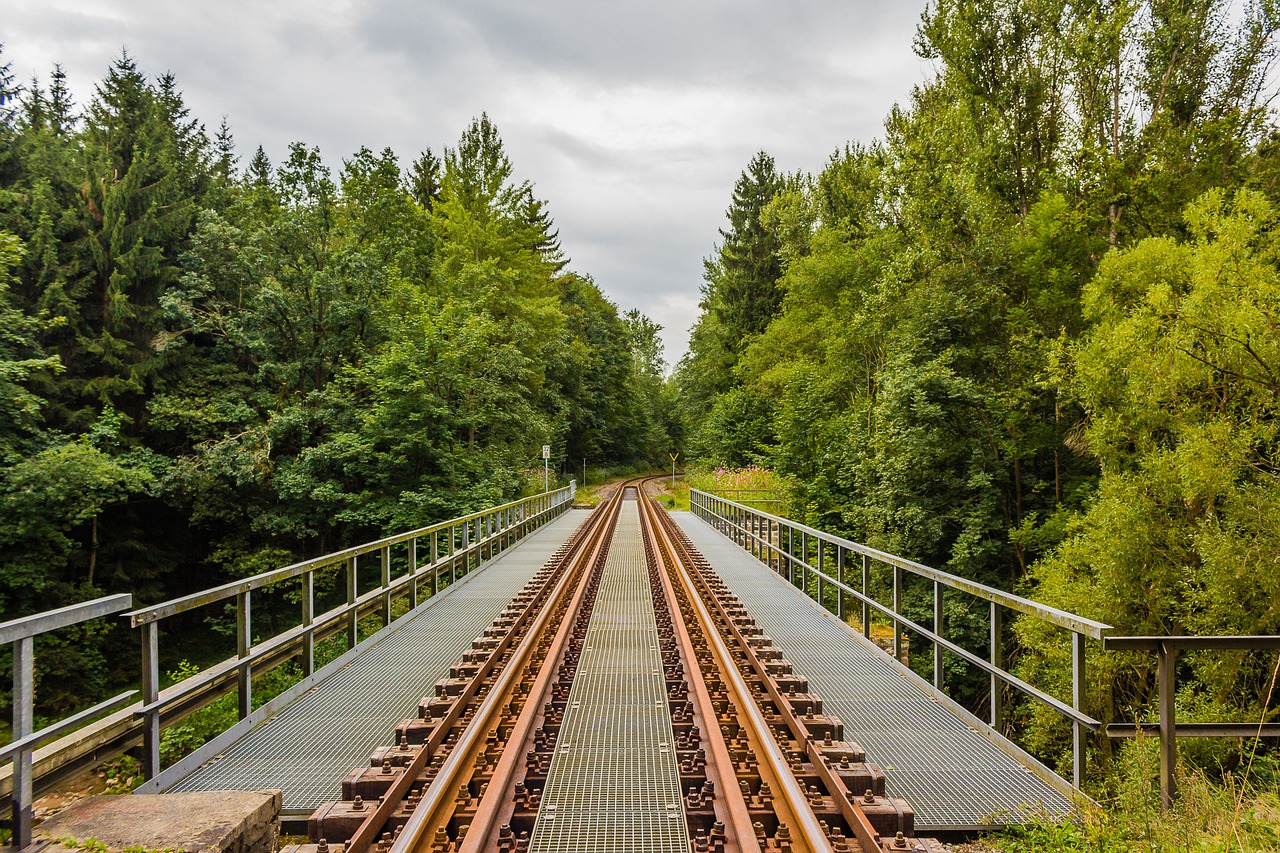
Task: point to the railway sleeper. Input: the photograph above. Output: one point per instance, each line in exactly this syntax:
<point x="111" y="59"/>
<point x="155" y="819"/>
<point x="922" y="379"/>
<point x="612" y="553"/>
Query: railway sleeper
<point x="844" y="763"/>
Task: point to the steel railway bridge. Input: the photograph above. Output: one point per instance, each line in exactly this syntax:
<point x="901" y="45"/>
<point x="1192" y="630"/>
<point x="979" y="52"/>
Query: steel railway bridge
<point x="543" y="678"/>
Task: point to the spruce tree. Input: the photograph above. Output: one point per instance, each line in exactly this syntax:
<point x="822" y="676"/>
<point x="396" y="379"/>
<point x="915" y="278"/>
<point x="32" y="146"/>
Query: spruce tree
<point x="748" y="267"/>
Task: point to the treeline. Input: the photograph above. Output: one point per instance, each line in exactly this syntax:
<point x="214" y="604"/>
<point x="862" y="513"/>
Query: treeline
<point x="1033" y="334"/>
<point x="209" y="369"/>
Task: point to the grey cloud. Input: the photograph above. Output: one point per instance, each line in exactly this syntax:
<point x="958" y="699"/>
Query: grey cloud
<point x="632" y="120"/>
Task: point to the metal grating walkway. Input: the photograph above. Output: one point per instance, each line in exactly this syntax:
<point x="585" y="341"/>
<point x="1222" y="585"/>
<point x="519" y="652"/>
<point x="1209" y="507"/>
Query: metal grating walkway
<point x="308" y="748"/>
<point x="614" y="783"/>
<point x="950" y="774"/>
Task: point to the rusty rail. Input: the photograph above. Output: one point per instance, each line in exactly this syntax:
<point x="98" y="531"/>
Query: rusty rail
<point x="764" y="768"/>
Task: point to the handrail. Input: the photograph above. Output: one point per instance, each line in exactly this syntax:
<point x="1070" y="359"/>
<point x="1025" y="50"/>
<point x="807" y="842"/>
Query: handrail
<point x="1089" y="627"/>
<point x="63" y="617"/>
<point x="1167" y="649"/>
<point x="181" y="604"/>
<point x="762" y="535"/>
<point x="452" y="548"/>
<point x="22" y="633"/>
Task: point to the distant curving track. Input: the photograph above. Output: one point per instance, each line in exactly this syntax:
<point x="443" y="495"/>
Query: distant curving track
<point x="624" y="700"/>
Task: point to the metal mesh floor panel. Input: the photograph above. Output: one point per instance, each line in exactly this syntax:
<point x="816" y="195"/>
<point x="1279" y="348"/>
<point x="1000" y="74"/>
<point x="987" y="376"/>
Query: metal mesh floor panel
<point x="614" y="783"/>
<point x="950" y="774"/>
<point x="308" y="747"/>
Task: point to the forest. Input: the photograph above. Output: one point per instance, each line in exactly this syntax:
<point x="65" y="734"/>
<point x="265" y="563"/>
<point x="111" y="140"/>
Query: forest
<point x="1032" y="336"/>
<point x="209" y="369"/>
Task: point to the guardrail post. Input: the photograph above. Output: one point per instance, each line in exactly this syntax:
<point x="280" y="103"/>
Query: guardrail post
<point x="866" y="608"/>
<point x="804" y="561"/>
<point x="353" y="618"/>
<point x="937" y="629"/>
<point x="435" y="556"/>
<point x="1077" y="702"/>
<point x="466" y="551"/>
<point x="897" y="608"/>
<point x="1165" y="684"/>
<point x="413" y="571"/>
<point x="150" y="696"/>
<point x="822" y="596"/>
<point x="244" y="643"/>
<point x="791" y="555"/>
<point x="996" y="657"/>
<point x="308" y="619"/>
<point x="840" y="578"/>
<point x="386" y="585"/>
<point x="23" y="702"/>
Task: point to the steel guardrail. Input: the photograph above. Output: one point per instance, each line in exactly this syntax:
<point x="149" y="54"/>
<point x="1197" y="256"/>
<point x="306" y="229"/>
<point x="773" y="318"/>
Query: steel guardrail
<point x="762" y="535"/>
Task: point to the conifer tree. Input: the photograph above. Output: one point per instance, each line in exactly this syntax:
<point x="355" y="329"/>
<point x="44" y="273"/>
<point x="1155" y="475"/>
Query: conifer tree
<point x="747" y="270"/>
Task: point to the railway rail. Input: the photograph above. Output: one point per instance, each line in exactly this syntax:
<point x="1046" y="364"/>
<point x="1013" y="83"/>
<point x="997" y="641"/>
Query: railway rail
<point x="623" y="700"/>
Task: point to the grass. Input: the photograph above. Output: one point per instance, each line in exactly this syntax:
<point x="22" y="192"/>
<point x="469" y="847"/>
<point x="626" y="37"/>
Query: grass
<point x="1235" y="812"/>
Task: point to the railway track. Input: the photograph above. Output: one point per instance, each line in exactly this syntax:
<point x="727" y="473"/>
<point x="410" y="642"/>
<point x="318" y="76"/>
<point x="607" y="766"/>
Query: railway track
<point x="624" y="700"/>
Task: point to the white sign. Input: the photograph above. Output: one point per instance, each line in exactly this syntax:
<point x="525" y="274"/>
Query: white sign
<point x="546" y="451"/>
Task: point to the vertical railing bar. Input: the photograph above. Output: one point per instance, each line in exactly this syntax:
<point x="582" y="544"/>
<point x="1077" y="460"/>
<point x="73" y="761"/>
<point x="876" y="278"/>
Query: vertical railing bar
<point x="23" y="725"/>
<point x="244" y="645"/>
<point x="822" y="598"/>
<point x="412" y="557"/>
<point x="435" y="557"/>
<point x="937" y="629"/>
<point x="1166" y="686"/>
<point x="996" y="658"/>
<point x="353" y="618"/>
<point x="866" y="608"/>
<point x="1077" y="702"/>
<point x="150" y="696"/>
<point x="308" y="618"/>
<point x="840" y="552"/>
<point x="386" y="585"/>
<point x="897" y="608"/>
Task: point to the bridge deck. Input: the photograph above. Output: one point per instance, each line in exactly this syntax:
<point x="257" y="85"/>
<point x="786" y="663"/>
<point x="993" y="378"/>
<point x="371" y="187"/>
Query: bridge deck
<point x="950" y="773"/>
<point x="614" y="783"/>
<point x="308" y="748"/>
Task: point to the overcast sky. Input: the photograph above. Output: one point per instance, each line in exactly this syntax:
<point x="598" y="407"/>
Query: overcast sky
<point x="632" y="121"/>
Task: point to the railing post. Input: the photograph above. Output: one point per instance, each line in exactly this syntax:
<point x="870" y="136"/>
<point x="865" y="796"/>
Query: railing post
<point x="804" y="561"/>
<point x="386" y="585"/>
<point x="775" y="539"/>
<point x="244" y="643"/>
<point x="997" y="659"/>
<point x="435" y="555"/>
<point x="866" y="608"/>
<point x="23" y="702"/>
<point x="897" y="608"/>
<point x="822" y="597"/>
<point x="353" y="618"/>
<point x="308" y="618"/>
<point x="1165" y="685"/>
<point x="413" y="572"/>
<point x="791" y="555"/>
<point x="150" y="696"/>
<point x="1077" y="702"/>
<point x="840" y="577"/>
<point x="466" y="551"/>
<point x="937" y="629"/>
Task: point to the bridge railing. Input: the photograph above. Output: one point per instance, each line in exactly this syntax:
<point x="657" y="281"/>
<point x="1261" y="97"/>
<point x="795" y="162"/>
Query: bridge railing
<point x="1167" y="649"/>
<point x="836" y="572"/>
<point x="436" y="555"/>
<point x="424" y="561"/>
<point x="22" y="633"/>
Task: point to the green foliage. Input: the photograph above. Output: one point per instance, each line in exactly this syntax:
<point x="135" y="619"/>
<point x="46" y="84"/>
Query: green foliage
<point x="205" y="372"/>
<point x="1232" y="813"/>
<point x="1030" y="337"/>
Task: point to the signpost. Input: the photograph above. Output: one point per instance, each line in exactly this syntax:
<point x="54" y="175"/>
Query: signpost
<point x="674" y="457"/>
<point x="546" y="467"/>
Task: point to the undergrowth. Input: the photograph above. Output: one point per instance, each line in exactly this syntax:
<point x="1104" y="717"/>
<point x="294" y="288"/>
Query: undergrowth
<point x="1236" y="811"/>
